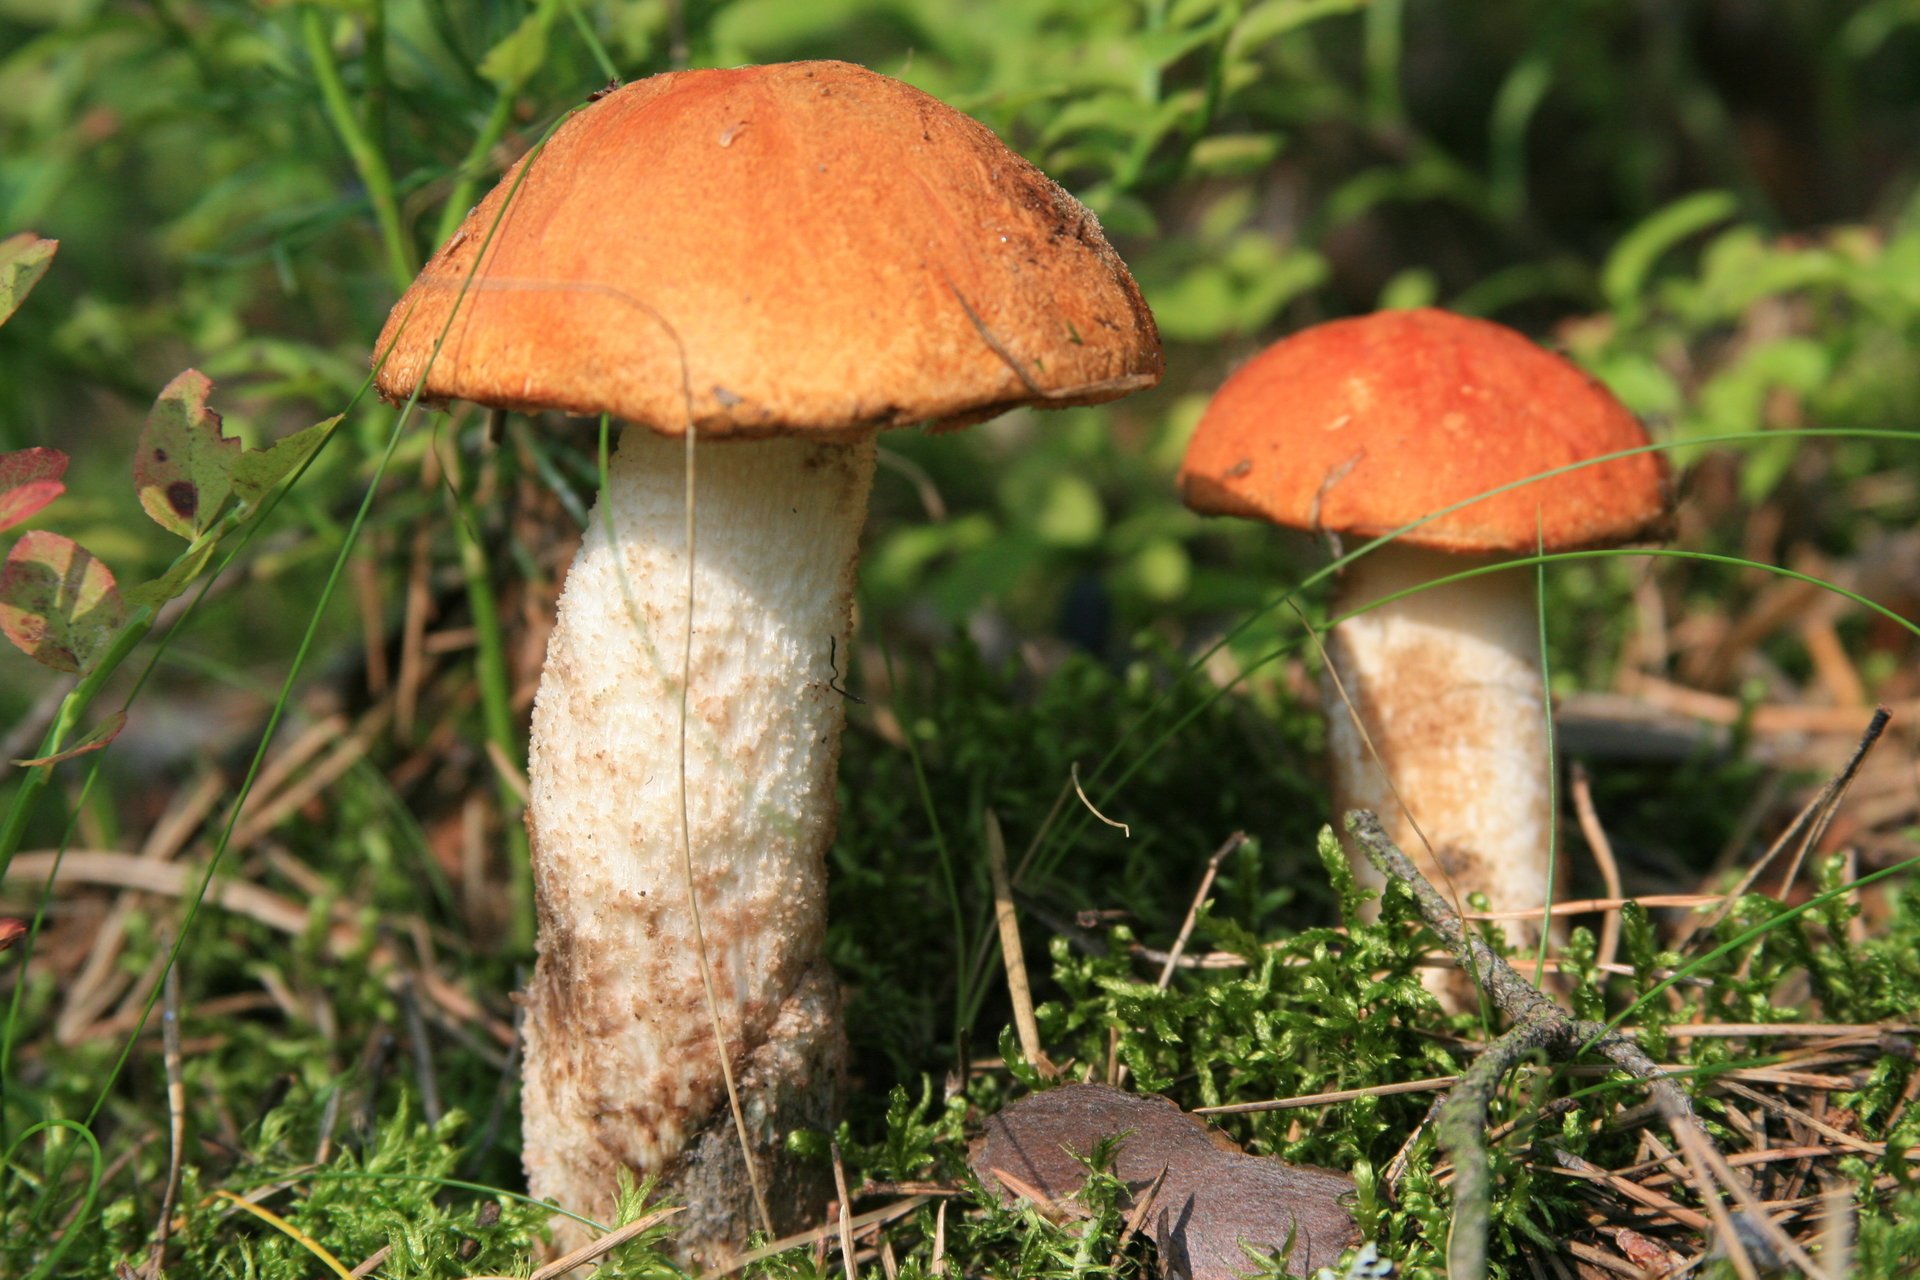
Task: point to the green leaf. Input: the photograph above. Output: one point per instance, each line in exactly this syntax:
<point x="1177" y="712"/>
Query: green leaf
<point x="1195" y="305"/>
<point x="257" y="471"/>
<point x="1068" y="513"/>
<point x="512" y="62"/>
<point x="1408" y="288"/>
<point x="1234" y="155"/>
<point x="23" y="260"/>
<point x="1633" y="259"/>
<point x="179" y="575"/>
<point x="1160" y="571"/>
<point x="29" y="480"/>
<point x="58" y="604"/>
<point x="183" y="463"/>
<point x="754" y="30"/>
<point x="1275" y="18"/>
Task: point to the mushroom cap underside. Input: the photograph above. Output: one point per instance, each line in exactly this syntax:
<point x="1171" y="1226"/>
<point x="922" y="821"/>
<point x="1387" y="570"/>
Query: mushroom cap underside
<point x="1361" y="426"/>
<point x="807" y="246"/>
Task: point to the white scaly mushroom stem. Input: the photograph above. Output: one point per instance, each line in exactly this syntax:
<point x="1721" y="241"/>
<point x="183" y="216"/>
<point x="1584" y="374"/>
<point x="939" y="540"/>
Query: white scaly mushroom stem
<point x="621" y="1067"/>
<point x="1447" y="682"/>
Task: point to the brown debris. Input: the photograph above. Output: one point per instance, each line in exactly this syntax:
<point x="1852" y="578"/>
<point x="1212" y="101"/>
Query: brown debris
<point x="1213" y="1201"/>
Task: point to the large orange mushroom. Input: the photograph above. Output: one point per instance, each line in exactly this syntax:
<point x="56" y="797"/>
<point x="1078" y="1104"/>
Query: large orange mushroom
<point x="782" y="260"/>
<point x="1360" y="426"/>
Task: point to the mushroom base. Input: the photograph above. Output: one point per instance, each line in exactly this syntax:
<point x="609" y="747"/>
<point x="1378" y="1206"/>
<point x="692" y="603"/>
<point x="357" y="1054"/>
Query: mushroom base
<point x="622" y="1069"/>
<point x="1448" y="685"/>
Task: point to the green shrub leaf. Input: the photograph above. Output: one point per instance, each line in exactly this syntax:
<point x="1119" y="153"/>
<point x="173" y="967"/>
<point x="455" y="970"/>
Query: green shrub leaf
<point x="23" y="260"/>
<point x="256" y="471"/>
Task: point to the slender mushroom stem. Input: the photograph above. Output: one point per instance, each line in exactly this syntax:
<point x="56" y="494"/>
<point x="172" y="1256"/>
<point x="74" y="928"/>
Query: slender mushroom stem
<point x="1447" y="685"/>
<point x="622" y="1069"/>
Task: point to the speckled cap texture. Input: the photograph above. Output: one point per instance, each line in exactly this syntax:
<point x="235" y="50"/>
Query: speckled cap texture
<point x="808" y="246"/>
<point x="1360" y="426"/>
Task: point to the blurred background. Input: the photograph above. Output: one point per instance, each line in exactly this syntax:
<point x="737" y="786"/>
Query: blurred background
<point x="1714" y="205"/>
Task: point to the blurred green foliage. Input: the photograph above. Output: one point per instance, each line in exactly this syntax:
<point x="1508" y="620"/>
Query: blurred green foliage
<point x="1712" y="204"/>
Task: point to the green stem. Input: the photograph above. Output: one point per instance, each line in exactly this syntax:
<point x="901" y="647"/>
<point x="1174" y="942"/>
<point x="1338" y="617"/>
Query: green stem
<point x="367" y="160"/>
<point x="1383" y="37"/>
<point x="375" y="57"/>
<point x="599" y="51"/>
<point x="460" y="200"/>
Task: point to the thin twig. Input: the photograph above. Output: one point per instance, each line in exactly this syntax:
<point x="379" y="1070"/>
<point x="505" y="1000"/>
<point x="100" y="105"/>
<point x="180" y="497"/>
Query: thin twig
<point x="1602" y="849"/>
<point x="842" y="1211"/>
<point x="1226" y="849"/>
<point x="594" y="1250"/>
<point x="1116" y="1069"/>
<point x="859" y="1223"/>
<point x="1011" y="953"/>
<point x="1336" y="1095"/>
<point x="1137" y="1216"/>
<point x="1806" y="826"/>
<point x="1074" y="772"/>
<point x="372" y="1262"/>
<point x="176" y="1117"/>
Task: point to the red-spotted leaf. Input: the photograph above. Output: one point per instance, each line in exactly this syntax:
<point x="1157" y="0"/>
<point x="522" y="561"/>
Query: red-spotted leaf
<point x="103" y="733"/>
<point x="257" y="470"/>
<point x="58" y="603"/>
<point x="23" y="260"/>
<point x="183" y="463"/>
<point x="29" y="480"/>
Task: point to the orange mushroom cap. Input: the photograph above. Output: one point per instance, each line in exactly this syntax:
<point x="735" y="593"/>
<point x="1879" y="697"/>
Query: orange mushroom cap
<point x="1360" y="426"/>
<point x="808" y="246"/>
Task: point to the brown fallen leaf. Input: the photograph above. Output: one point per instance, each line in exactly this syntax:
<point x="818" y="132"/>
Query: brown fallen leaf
<point x="1214" y="1198"/>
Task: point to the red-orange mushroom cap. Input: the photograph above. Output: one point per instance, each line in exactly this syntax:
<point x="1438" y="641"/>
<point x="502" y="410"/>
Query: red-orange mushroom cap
<point x="805" y="247"/>
<point x="1361" y="426"/>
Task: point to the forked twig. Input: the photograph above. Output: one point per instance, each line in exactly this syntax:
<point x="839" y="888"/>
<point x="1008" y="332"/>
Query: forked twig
<point x="1539" y="1025"/>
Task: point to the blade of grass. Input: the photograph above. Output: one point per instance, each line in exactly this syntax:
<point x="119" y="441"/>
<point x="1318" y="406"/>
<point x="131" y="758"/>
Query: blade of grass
<point x="85" y="1210"/>
<point x="1553" y="762"/>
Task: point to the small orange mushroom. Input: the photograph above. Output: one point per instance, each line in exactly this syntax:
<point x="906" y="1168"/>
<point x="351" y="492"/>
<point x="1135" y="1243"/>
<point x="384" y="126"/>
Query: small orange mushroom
<point x="1361" y="426"/>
